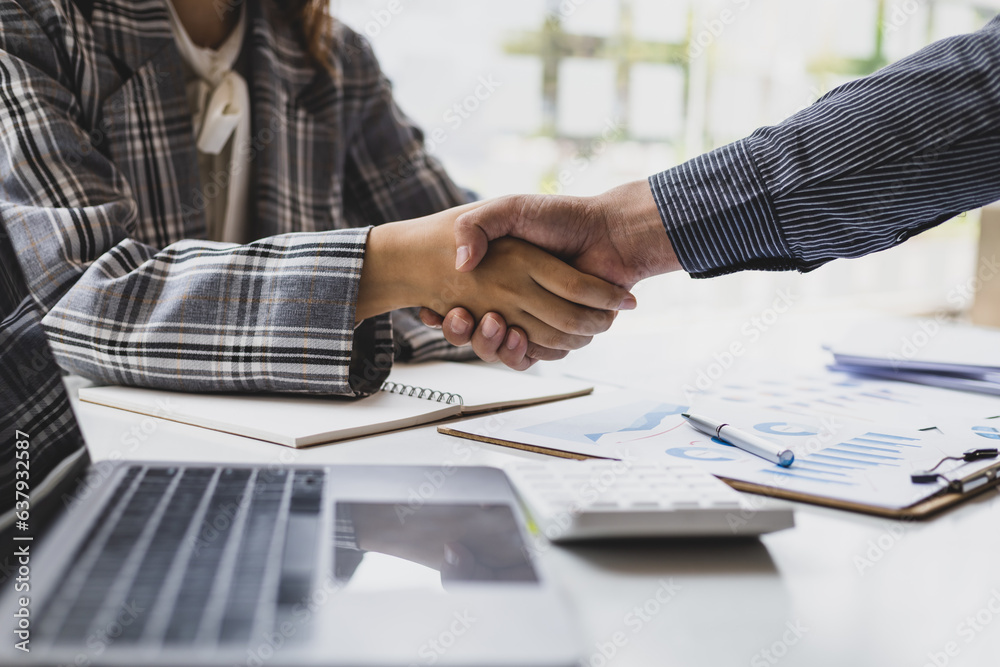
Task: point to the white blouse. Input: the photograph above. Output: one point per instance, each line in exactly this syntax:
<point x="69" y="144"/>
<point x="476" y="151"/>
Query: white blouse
<point x="220" y="108"/>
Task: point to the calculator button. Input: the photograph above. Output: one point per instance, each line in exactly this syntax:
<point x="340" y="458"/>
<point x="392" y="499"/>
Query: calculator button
<point x="603" y="499"/>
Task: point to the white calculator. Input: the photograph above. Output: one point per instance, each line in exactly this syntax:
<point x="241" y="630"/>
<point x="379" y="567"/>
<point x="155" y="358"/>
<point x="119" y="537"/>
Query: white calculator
<point x="601" y="499"/>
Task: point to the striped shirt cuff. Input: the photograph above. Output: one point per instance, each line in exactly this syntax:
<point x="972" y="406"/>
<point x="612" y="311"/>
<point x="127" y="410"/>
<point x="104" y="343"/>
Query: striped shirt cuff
<point x="415" y="341"/>
<point x="719" y="216"/>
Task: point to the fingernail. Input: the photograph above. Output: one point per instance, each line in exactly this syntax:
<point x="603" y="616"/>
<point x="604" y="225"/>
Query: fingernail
<point x="513" y="340"/>
<point x="459" y="326"/>
<point x="462" y="256"/>
<point x="628" y="303"/>
<point x="490" y="327"/>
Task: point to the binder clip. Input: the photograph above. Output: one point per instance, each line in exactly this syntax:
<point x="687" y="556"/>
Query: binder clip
<point x="929" y="476"/>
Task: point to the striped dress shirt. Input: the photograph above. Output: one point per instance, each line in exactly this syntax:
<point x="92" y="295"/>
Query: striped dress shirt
<point x="102" y="205"/>
<point x="867" y="166"/>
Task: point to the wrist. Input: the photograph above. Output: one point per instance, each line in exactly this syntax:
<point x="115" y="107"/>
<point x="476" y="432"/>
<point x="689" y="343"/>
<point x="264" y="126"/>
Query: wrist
<point x="384" y="285"/>
<point x="402" y="262"/>
<point x="636" y="230"/>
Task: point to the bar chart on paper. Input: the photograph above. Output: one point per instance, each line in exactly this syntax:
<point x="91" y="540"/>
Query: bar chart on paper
<point x="849" y="460"/>
<point x="842" y="395"/>
<point x="840" y="463"/>
<point x="616" y="426"/>
<point x="837" y="459"/>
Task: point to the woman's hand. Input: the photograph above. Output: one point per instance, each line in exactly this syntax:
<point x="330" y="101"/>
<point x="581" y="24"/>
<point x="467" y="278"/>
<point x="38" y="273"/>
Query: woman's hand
<point x="491" y="339"/>
<point x="412" y="264"/>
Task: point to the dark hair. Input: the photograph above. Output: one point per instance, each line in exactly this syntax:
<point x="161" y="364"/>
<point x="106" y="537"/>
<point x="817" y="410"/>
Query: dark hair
<point x="313" y="18"/>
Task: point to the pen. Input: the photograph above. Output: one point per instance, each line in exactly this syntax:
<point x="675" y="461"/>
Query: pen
<point x="748" y="442"/>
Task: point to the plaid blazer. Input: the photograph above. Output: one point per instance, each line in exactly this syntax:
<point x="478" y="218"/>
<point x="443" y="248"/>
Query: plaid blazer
<point x="102" y="203"/>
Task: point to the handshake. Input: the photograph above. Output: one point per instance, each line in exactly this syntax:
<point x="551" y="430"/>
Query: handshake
<point x="538" y="275"/>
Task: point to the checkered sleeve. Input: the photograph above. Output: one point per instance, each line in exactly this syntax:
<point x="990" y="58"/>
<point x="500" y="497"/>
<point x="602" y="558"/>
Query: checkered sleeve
<point x="390" y="176"/>
<point x="273" y="315"/>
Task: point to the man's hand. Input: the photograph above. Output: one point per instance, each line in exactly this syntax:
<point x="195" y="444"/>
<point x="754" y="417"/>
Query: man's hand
<point x="412" y="263"/>
<point x="556" y="305"/>
<point x="617" y="236"/>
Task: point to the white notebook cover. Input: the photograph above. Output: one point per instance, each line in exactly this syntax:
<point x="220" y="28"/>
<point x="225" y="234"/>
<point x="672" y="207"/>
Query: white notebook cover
<point x="301" y="421"/>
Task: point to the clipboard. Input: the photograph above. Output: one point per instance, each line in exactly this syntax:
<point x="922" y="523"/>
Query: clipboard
<point x="924" y="509"/>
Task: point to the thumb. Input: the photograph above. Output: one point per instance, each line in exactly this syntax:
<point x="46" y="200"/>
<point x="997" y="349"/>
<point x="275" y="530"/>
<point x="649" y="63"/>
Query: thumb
<point x="476" y="228"/>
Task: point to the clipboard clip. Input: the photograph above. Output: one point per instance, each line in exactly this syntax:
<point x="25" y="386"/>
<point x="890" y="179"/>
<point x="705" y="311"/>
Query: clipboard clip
<point x="958" y="485"/>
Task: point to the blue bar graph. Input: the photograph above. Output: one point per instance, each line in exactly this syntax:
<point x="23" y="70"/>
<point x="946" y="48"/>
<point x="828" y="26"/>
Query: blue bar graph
<point x="845" y="459"/>
<point x="824" y="464"/>
<point x="785" y="473"/>
<point x="881" y="457"/>
<point x="870" y="448"/>
<point x="801" y="468"/>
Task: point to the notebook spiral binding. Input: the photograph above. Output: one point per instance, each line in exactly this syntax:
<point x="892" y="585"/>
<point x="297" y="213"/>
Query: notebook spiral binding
<point x="423" y="392"/>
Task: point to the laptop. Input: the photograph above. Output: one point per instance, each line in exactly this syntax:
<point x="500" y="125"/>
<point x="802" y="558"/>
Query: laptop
<point x="138" y="563"/>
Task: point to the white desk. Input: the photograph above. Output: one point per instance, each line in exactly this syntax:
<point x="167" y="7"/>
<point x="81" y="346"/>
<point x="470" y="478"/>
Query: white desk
<point x="839" y="589"/>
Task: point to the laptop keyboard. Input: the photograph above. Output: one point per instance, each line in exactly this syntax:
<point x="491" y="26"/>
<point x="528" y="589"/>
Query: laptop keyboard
<point x="177" y="555"/>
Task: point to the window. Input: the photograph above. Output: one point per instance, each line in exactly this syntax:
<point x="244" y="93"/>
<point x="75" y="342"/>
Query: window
<point x="576" y="96"/>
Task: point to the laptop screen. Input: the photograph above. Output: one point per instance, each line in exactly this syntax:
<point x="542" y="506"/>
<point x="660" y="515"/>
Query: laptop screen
<point x="41" y="448"/>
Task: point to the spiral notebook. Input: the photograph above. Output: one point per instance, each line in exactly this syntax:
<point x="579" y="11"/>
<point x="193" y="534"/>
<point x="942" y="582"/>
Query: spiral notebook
<point x="413" y="395"/>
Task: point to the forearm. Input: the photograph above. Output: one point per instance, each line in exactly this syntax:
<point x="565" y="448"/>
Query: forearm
<point x="396" y="258"/>
<point x="872" y="163"/>
<point x="274" y="315"/>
